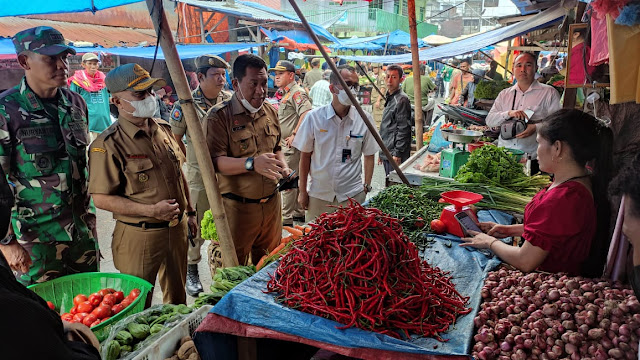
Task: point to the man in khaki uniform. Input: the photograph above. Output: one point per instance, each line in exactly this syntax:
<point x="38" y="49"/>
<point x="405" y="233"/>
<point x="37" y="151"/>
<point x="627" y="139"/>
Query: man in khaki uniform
<point x="243" y="136"/>
<point x="211" y="71"/>
<point x="376" y="99"/>
<point x="313" y="76"/>
<point x="135" y="171"/>
<point x="294" y="105"/>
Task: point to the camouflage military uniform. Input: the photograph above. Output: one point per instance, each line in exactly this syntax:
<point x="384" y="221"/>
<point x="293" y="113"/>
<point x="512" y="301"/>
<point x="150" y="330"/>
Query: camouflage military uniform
<point x="194" y="179"/>
<point x="43" y="150"/>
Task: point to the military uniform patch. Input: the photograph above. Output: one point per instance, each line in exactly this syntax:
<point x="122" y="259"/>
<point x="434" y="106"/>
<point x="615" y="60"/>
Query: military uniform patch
<point x="244" y="145"/>
<point x="143" y="177"/>
<point x="100" y="150"/>
<point x="298" y="98"/>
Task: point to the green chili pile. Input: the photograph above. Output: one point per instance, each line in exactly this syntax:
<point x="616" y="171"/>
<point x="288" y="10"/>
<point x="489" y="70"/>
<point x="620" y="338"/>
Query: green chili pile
<point x="358" y="268"/>
<point x="414" y="207"/>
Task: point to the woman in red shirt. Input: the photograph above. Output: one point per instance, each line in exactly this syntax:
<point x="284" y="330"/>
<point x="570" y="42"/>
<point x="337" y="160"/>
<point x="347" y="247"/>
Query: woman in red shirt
<point x="566" y="225"/>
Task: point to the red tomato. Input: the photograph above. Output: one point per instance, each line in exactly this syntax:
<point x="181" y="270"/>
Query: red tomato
<point x="85" y="307"/>
<point x="110" y="290"/>
<point x="109" y="299"/>
<point x="67" y="317"/>
<point x="95" y="323"/>
<point x="126" y="302"/>
<point x="74" y="310"/>
<point x="80" y="298"/>
<point x="438" y="226"/>
<point x="105" y="319"/>
<point x="134" y="293"/>
<point x="103" y="292"/>
<point x="119" y="296"/>
<point x="50" y="305"/>
<point x="79" y="317"/>
<point x="95" y="299"/>
<point x="89" y="319"/>
<point x="116" y="308"/>
<point x="419" y="223"/>
<point x="102" y="311"/>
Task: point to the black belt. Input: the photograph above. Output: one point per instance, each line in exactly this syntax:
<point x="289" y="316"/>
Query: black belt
<point x="152" y="225"/>
<point x="247" y="201"/>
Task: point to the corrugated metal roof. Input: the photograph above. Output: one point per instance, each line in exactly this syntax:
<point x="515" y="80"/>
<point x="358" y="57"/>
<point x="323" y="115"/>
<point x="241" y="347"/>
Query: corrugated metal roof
<point x="107" y="36"/>
<point x="238" y="9"/>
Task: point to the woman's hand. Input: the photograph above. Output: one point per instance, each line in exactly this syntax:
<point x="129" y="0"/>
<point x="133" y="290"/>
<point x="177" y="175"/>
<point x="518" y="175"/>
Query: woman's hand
<point x="497" y="230"/>
<point x="478" y="241"/>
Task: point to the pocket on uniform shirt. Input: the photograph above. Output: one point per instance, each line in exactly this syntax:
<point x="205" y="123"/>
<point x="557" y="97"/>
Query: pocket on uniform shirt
<point x="140" y="176"/>
<point x="242" y="143"/>
<point x="41" y="153"/>
<point x="79" y="134"/>
<point x="355" y="144"/>
<point x="272" y="136"/>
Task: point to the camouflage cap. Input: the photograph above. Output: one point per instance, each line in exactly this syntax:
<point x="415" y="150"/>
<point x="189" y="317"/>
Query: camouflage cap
<point x="284" y="65"/>
<point x="131" y="77"/>
<point x="43" y="40"/>
<point x="204" y="62"/>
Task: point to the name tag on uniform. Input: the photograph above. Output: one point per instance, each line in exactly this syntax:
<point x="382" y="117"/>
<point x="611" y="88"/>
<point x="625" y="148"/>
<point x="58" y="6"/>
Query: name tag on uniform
<point x="346" y="155"/>
<point x="238" y="128"/>
<point x="323" y="130"/>
<point x="137" y="156"/>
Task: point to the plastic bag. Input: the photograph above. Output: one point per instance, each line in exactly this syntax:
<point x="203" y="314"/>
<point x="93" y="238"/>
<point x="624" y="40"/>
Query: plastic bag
<point x="438" y="143"/>
<point x="122" y="325"/>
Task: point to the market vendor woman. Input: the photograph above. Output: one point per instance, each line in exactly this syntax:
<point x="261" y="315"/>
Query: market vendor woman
<point x="566" y="224"/>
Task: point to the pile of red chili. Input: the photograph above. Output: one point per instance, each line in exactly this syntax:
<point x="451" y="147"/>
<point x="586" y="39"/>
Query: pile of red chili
<point x="358" y="268"/>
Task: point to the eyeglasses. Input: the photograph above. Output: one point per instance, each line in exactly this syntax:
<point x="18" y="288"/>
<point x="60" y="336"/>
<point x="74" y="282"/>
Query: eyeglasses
<point x="354" y="87"/>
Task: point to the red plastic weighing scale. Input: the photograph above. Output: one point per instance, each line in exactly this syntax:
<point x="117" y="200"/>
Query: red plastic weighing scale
<point x="460" y="201"/>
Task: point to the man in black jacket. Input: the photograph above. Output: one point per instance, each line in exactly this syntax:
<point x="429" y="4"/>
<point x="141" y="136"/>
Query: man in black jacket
<point x="395" y="128"/>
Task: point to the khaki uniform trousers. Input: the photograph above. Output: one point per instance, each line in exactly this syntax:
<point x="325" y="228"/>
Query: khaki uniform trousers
<point x="147" y="253"/>
<point x="377" y="114"/>
<point x="318" y="207"/>
<point x="290" y="206"/>
<point x="256" y="228"/>
<point x="199" y="196"/>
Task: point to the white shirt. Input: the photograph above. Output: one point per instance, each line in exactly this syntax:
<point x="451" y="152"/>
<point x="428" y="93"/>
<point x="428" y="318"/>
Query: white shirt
<point x="542" y="99"/>
<point x="320" y="94"/>
<point x="334" y="175"/>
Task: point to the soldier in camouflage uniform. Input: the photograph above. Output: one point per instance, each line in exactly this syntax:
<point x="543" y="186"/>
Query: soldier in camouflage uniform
<point x="43" y="150"/>
<point x="294" y="106"/>
<point x="211" y="71"/>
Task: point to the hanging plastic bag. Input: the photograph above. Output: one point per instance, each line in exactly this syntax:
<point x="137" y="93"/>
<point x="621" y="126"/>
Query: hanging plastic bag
<point x="438" y="143"/>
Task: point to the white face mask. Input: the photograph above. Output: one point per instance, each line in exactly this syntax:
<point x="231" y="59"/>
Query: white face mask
<point x="343" y="98"/>
<point x="248" y="105"/>
<point x="144" y="108"/>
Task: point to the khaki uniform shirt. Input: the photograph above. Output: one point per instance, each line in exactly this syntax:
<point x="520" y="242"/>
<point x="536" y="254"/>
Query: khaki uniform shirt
<point x="294" y="103"/>
<point x="179" y="127"/>
<point x="232" y="131"/>
<point x="125" y="161"/>
<point x="312" y="77"/>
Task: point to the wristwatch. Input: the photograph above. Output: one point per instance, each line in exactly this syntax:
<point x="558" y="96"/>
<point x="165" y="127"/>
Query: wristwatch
<point x="367" y="187"/>
<point x="7" y="240"/>
<point x="248" y="164"/>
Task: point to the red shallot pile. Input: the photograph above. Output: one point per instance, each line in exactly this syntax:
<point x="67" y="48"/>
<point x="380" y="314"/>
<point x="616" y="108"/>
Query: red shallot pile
<point x="358" y="268"/>
<point x="553" y="316"/>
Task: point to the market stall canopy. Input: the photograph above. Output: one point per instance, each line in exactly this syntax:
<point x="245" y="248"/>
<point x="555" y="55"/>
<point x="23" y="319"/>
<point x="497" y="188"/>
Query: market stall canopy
<point x="34" y="7"/>
<point x="7" y="50"/>
<point x="378" y="42"/>
<point x="256" y="12"/>
<point x="542" y="20"/>
<point x="436" y="40"/>
<point x="291" y="39"/>
<point x="106" y="36"/>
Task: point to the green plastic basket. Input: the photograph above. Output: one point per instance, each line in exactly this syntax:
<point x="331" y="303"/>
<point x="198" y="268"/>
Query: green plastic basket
<point x="515" y="153"/>
<point x="61" y="292"/>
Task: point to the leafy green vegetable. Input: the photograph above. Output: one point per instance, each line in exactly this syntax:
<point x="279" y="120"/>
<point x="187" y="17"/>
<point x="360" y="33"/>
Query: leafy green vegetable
<point x="492" y="165"/>
<point x="487" y="89"/>
<point x="226" y="279"/>
<point x="208" y="227"/>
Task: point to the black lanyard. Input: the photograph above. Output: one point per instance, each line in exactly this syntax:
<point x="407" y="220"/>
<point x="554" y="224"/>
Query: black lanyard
<point x="515" y="92"/>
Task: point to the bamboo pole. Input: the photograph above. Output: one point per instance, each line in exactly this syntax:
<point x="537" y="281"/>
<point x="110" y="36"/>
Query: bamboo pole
<point x="159" y="19"/>
<point x="353" y="99"/>
<point x="415" y="60"/>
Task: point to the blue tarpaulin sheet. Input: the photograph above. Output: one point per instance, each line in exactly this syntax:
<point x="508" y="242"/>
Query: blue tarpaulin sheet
<point x="33" y="7"/>
<point x="247" y="303"/>
<point x="395" y="38"/>
<point x="472" y="43"/>
<point x="185" y="51"/>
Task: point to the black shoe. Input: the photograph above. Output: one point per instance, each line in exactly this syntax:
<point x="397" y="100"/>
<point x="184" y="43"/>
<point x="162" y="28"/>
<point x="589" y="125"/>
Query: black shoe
<point x="299" y="219"/>
<point x="193" y="286"/>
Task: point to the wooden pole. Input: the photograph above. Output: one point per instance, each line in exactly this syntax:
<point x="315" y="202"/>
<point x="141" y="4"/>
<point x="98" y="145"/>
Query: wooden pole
<point x="159" y="19"/>
<point x="353" y="99"/>
<point x="415" y="59"/>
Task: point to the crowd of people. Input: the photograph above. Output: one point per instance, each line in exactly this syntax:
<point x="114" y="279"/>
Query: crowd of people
<point x="276" y="165"/>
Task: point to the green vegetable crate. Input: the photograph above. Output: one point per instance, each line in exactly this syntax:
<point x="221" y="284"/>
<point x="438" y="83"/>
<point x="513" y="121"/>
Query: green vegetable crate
<point x="61" y="292"/>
